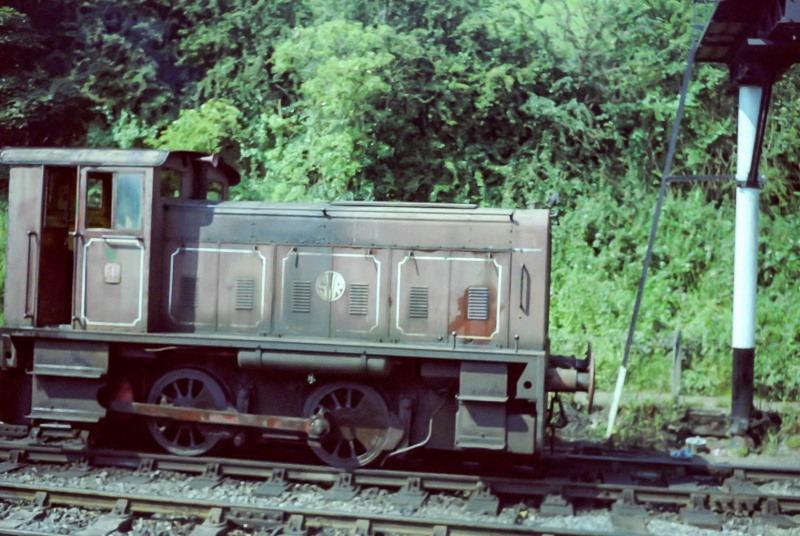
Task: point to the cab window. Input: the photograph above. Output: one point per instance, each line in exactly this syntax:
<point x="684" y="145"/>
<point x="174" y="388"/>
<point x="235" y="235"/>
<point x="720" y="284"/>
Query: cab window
<point x="114" y="200"/>
<point x="171" y="181"/>
<point x="128" y="200"/>
<point x="215" y="191"/>
<point x="98" y="200"/>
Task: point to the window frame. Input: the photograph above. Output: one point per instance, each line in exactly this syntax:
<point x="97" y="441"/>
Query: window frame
<point x="114" y="172"/>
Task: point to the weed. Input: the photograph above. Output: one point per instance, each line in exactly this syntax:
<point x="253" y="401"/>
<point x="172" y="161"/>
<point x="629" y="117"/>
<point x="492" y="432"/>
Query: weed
<point x="647" y="425"/>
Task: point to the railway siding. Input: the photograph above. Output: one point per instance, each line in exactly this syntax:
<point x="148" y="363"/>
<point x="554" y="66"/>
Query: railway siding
<point x="251" y="493"/>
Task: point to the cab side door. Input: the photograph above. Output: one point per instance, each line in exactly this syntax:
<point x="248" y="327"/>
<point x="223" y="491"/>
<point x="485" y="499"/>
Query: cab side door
<point x="112" y="248"/>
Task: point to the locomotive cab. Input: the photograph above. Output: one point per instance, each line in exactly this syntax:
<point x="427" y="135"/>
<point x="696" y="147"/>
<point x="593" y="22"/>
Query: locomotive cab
<point x="88" y="218"/>
<point x="83" y="229"/>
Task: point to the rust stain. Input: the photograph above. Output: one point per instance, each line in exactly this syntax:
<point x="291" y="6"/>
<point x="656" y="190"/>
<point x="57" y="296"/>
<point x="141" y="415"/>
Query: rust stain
<point x="474" y="328"/>
<point x="211" y="416"/>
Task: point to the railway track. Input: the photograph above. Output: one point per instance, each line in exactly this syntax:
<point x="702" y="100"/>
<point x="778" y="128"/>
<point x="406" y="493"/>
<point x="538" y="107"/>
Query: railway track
<point x="216" y="517"/>
<point x="627" y="486"/>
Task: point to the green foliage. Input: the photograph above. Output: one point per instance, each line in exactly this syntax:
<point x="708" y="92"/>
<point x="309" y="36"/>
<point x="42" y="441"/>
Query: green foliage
<point x="646" y="425"/>
<point x="777" y="367"/>
<point x="321" y="139"/>
<point x="72" y="67"/>
<point x="495" y="102"/>
<point x="598" y="250"/>
<point x="33" y="65"/>
<point x="208" y="128"/>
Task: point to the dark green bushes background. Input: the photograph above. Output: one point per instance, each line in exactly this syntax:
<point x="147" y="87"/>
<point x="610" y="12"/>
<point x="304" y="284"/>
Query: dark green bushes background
<point x="496" y="102"/>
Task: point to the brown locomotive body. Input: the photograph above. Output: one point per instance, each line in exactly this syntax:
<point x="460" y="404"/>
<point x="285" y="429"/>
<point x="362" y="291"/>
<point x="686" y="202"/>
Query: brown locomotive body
<point x="133" y="286"/>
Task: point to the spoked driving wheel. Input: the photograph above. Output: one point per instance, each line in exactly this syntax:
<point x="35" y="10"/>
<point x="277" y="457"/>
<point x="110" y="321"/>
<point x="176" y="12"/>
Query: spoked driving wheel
<point x="186" y="388"/>
<point x="359" y="424"/>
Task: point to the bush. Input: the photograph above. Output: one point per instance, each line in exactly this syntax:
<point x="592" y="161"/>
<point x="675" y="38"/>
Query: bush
<point x="597" y="261"/>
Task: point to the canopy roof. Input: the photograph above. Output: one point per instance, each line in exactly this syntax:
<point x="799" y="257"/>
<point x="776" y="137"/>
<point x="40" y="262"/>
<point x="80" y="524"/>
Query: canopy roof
<point x="106" y="157"/>
<point x="756" y="38"/>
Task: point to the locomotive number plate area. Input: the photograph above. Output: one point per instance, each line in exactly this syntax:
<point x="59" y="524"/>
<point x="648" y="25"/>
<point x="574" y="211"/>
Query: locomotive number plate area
<point x="330" y="286"/>
<point x="112" y="274"/>
<point x="330" y="292"/>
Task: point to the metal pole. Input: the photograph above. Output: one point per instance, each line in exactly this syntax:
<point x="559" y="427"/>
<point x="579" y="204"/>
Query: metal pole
<point x="745" y="270"/>
<point x="673" y="142"/>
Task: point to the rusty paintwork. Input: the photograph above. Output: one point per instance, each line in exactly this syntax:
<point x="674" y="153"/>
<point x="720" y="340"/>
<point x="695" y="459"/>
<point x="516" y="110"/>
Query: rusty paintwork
<point x="354" y="272"/>
<point x="134" y="264"/>
<point x="314" y="426"/>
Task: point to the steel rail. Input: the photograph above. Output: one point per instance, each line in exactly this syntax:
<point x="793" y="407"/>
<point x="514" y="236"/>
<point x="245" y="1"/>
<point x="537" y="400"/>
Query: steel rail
<point x="610" y="462"/>
<point x="522" y="485"/>
<point x="676" y="496"/>
<point x="22" y="532"/>
<point x="695" y="465"/>
<point x="309" y="518"/>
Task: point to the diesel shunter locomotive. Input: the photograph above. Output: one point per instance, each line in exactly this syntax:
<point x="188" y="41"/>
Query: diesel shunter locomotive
<point x="135" y="287"/>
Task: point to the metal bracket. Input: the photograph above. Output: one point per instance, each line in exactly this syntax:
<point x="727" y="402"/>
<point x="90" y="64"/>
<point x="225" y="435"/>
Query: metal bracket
<point x="212" y="475"/>
<point x="144" y="472"/>
<point x="295" y="526"/>
<point x="79" y="442"/>
<point x="556" y="505"/>
<point x="19" y="518"/>
<point x="483" y="501"/>
<point x="744" y="496"/>
<point x="697" y="513"/>
<point x="41" y="499"/>
<point x="275" y="485"/>
<point x="746" y="184"/>
<point x="770" y="514"/>
<point x="411" y="494"/>
<point x="8" y="359"/>
<point x="627" y="515"/>
<point x="214" y="524"/>
<point x="363" y="528"/>
<point x="14" y="462"/>
<point x="342" y="490"/>
<point x="119" y="520"/>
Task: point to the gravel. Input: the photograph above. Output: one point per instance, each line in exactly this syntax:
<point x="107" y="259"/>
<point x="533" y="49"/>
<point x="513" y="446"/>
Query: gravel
<point x="306" y="496"/>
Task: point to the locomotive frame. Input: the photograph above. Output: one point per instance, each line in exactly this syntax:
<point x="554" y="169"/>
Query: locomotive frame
<point x="366" y="329"/>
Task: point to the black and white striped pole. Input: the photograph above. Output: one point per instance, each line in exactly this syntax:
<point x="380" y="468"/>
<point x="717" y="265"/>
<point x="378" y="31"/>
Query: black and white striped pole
<point x="753" y="108"/>
<point x="758" y="41"/>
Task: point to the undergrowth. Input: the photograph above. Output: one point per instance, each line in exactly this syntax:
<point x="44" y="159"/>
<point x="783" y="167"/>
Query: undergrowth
<point x="597" y="261"/>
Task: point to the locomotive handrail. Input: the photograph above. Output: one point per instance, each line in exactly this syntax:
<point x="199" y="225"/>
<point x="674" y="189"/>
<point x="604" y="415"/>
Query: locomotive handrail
<point x="75" y="235"/>
<point x="29" y="314"/>
<point x="401" y="204"/>
<point x="122" y="238"/>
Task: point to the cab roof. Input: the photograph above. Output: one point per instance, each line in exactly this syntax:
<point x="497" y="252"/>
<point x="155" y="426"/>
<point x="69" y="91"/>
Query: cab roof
<point x="108" y="157"/>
